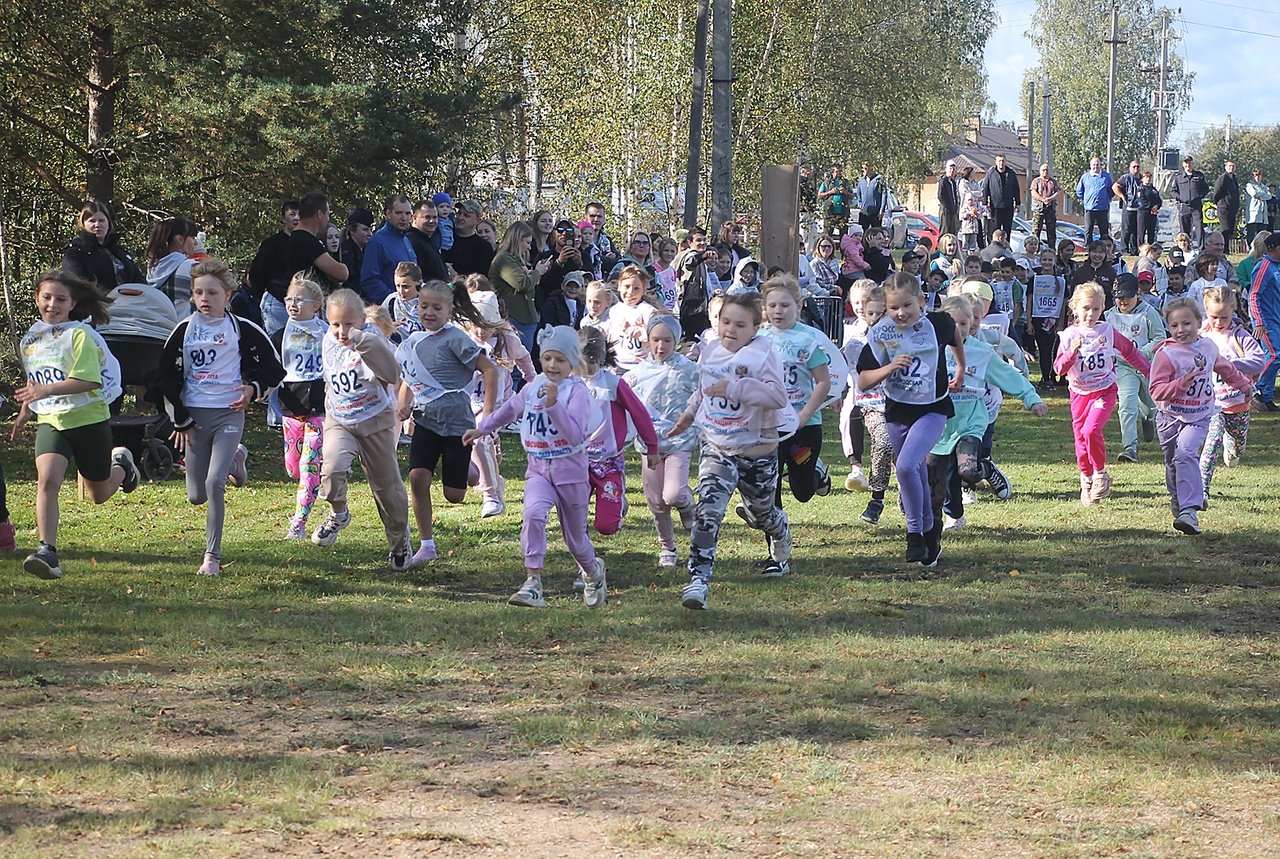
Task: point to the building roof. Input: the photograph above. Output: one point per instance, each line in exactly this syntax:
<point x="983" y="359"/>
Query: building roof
<point x="981" y="155"/>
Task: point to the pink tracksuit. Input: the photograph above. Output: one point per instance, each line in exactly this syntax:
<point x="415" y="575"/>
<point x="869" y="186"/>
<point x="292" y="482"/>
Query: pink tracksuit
<point x="606" y="447"/>
<point x="1091" y="375"/>
<point x="557" y="475"/>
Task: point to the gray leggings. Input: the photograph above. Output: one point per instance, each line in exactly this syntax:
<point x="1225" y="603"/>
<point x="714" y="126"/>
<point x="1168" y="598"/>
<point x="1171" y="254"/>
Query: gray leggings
<point x="211" y="446"/>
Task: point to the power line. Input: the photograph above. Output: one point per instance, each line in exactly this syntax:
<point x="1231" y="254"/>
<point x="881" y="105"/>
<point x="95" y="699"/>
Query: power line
<point x="1231" y="29"/>
<point x="1234" y="6"/>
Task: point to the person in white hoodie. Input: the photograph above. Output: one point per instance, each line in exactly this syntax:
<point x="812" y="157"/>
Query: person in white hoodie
<point x="746" y="277"/>
<point x="169" y="261"/>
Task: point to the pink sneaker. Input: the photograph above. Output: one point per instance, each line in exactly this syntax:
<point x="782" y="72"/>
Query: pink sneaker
<point x="210" y="567"/>
<point x="8" y="537"/>
<point x="424" y="554"/>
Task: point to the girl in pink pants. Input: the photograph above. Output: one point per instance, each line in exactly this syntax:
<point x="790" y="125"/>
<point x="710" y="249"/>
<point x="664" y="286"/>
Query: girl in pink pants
<point x="1087" y="354"/>
<point x="665" y="380"/>
<point x="557" y="414"/>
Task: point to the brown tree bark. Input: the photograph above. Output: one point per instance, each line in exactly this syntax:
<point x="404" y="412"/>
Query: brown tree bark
<point x="100" y="171"/>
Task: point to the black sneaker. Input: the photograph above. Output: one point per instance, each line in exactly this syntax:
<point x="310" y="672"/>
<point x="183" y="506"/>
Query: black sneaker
<point x="123" y="457"/>
<point x="1127" y="456"/>
<point x="775" y="569"/>
<point x="1148" y="431"/>
<point x="999" y="483"/>
<point x="916" y="549"/>
<point x="399" y="559"/>
<point x="933" y="548"/>
<point x="824" y="479"/>
<point x="872" y="514"/>
<point x="43" y="563"/>
<point x="1270" y="406"/>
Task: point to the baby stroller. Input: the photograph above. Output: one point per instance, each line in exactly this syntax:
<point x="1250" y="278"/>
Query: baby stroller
<point x="141" y="319"/>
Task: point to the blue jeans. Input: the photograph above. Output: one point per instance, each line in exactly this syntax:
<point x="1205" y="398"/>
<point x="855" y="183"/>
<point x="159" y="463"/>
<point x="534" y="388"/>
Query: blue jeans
<point x="528" y="335"/>
<point x="1266" y="386"/>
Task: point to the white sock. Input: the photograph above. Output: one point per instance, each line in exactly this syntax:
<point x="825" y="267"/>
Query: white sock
<point x="427" y="544"/>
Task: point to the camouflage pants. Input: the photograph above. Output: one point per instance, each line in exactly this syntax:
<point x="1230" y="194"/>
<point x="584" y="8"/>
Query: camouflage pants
<point x="756" y="478"/>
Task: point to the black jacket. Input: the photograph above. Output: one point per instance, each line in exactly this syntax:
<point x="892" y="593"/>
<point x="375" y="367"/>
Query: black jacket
<point x="299" y="399"/>
<point x="556" y="311"/>
<point x="429" y="259"/>
<point x="1001" y="190"/>
<point x="269" y="271"/>
<point x="1226" y="193"/>
<point x="948" y="195"/>
<point x="259" y="367"/>
<point x="87" y="259"/>
<point x="1190" y="190"/>
<point x="352" y="256"/>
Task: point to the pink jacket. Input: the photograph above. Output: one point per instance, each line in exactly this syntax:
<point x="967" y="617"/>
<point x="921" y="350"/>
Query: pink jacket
<point x="570" y="414"/>
<point x="1190" y="397"/>
<point x="628" y="403"/>
<point x="851" y="250"/>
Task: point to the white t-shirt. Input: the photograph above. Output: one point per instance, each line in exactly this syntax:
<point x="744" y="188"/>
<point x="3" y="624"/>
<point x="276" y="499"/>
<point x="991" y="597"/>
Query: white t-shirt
<point x="210" y="363"/>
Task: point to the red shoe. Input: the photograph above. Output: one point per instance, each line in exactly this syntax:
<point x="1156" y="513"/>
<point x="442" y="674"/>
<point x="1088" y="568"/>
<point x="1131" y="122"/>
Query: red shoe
<point x="8" y="537"/>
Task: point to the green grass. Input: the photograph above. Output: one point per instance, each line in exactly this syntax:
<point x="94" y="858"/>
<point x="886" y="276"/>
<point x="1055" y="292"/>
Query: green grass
<point x="1073" y="681"/>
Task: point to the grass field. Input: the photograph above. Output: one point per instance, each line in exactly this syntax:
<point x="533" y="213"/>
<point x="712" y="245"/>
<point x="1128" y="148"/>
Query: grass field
<point x="1073" y="682"/>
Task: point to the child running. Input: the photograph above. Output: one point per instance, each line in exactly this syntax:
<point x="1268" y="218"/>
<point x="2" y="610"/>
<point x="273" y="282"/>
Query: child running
<point x="1182" y="375"/>
<point x="300" y="344"/>
<point x="1046" y="316"/>
<point x="625" y="419"/>
<point x="905" y="352"/>
<point x="402" y="304"/>
<point x="956" y="458"/>
<point x="1087" y="354"/>
<point x="1229" y="426"/>
<point x="664" y="381"/>
<point x="506" y="350"/>
<point x="213" y="365"/>
<point x="557" y="414"/>
<point x="360" y="420"/>
<point x="852" y="427"/>
<point x="626" y="321"/>
<point x="72" y="378"/>
<point x="806" y="373"/>
<point x="437" y="366"/>
<point x="1141" y="323"/>
<point x="868" y="407"/>
<point x="741" y="407"/>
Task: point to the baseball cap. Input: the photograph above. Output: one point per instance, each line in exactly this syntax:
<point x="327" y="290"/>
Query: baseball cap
<point x="471" y="206"/>
<point x="1272" y="241"/>
<point x="978" y="288"/>
<point x="1146" y="277"/>
<point x="1126" y="286"/>
<point x="575" y="277"/>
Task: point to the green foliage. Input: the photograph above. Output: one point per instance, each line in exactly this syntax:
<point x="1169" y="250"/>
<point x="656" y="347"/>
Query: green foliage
<point x="1250" y="148"/>
<point x="1069" y="35"/>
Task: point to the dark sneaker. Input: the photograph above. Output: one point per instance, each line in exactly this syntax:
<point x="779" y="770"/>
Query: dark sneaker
<point x="824" y="479"/>
<point x="123" y="457"/>
<point x="916" y="549"/>
<point x="872" y="514"/>
<point x="1128" y="456"/>
<point x="43" y="563"/>
<point x="400" y="559"/>
<point x="933" y="548"/>
<point x="1148" y="430"/>
<point x="775" y="569"/>
<point x="999" y="483"/>
<point x="1188" y="522"/>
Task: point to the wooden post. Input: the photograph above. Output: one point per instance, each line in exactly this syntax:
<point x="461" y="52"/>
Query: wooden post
<point x="780" y="218"/>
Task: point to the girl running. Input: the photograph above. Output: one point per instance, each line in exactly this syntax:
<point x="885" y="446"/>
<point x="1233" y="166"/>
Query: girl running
<point x="302" y="395"/>
<point x="1229" y="426"/>
<point x="213" y="365"/>
<point x="866" y="408"/>
<point x="626" y="322"/>
<point x="72" y="378"/>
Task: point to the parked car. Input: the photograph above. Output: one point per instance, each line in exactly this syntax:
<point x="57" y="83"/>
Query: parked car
<point x="924" y="226"/>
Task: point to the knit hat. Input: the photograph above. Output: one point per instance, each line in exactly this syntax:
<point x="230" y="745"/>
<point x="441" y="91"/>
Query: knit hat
<point x="487" y="304"/>
<point x="562" y="339"/>
<point x="665" y="319"/>
<point x="442" y="197"/>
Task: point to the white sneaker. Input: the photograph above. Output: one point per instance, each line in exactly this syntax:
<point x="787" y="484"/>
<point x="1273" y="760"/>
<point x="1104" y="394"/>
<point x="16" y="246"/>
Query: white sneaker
<point x="596" y="589"/>
<point x="949" y="524"/>
<point x="492" y="507"/>
<point x="694" y="595"/>
<point x="123" y="457"/>
<point x="744" y="513"/>
<point x="529" y="595"/>
<point x="857" y="480"/>
<point x="968" y="495"/>
<point x="240" y="466"/>
<point x="210" y="567"/>
<point x="668" y="558"/>
<point x="327" y="533"/>
<point x="1230" y="456"/>
<point x="424" y="554"/>
<point x="297" y="530"/>
<point x="399" y="559"/>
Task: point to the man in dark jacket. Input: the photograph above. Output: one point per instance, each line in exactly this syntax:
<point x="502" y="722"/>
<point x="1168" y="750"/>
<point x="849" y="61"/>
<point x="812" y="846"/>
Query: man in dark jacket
<point x="1126" y="188"/>
<point x="1001" y="194"/>
<point x="1226" y="196"/>
<point x="359" y="231"/>
<point x="948" y="201"/>
<point x="1189" y="189"/>
<point x="269" y="272"/>
<point x="422" y="235"/>
<point x="470" y="253"/>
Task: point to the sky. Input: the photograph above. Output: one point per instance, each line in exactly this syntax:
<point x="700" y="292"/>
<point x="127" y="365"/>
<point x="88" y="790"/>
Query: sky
<point x="1210" y="28"/>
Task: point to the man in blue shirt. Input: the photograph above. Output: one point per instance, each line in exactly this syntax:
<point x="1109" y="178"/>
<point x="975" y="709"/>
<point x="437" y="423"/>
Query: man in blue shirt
<point x="388" y="248"/>
<point x="1095" y="192"/>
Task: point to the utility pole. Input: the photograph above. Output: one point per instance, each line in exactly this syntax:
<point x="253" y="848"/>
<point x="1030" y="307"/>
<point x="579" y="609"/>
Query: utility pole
<point x="693" y="171"/>
<point x="1115" y="41"/>
<point x="1046" y="138"/>
<point x="1031" y="148"/>
<point x="721" y="115"/>
<point x="1227" y="146"/>
<point x="1161" y="97"/>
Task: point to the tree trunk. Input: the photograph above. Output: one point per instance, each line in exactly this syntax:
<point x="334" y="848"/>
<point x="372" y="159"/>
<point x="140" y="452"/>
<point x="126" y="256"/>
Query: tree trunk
<point x="100" y="171"/>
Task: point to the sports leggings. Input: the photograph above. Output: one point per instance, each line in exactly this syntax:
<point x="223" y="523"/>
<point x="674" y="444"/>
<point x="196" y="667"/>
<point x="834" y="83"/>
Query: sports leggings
<point x="911" y="445"/>
<point x="211" y="446"/>
<point x="303" y="449"/>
